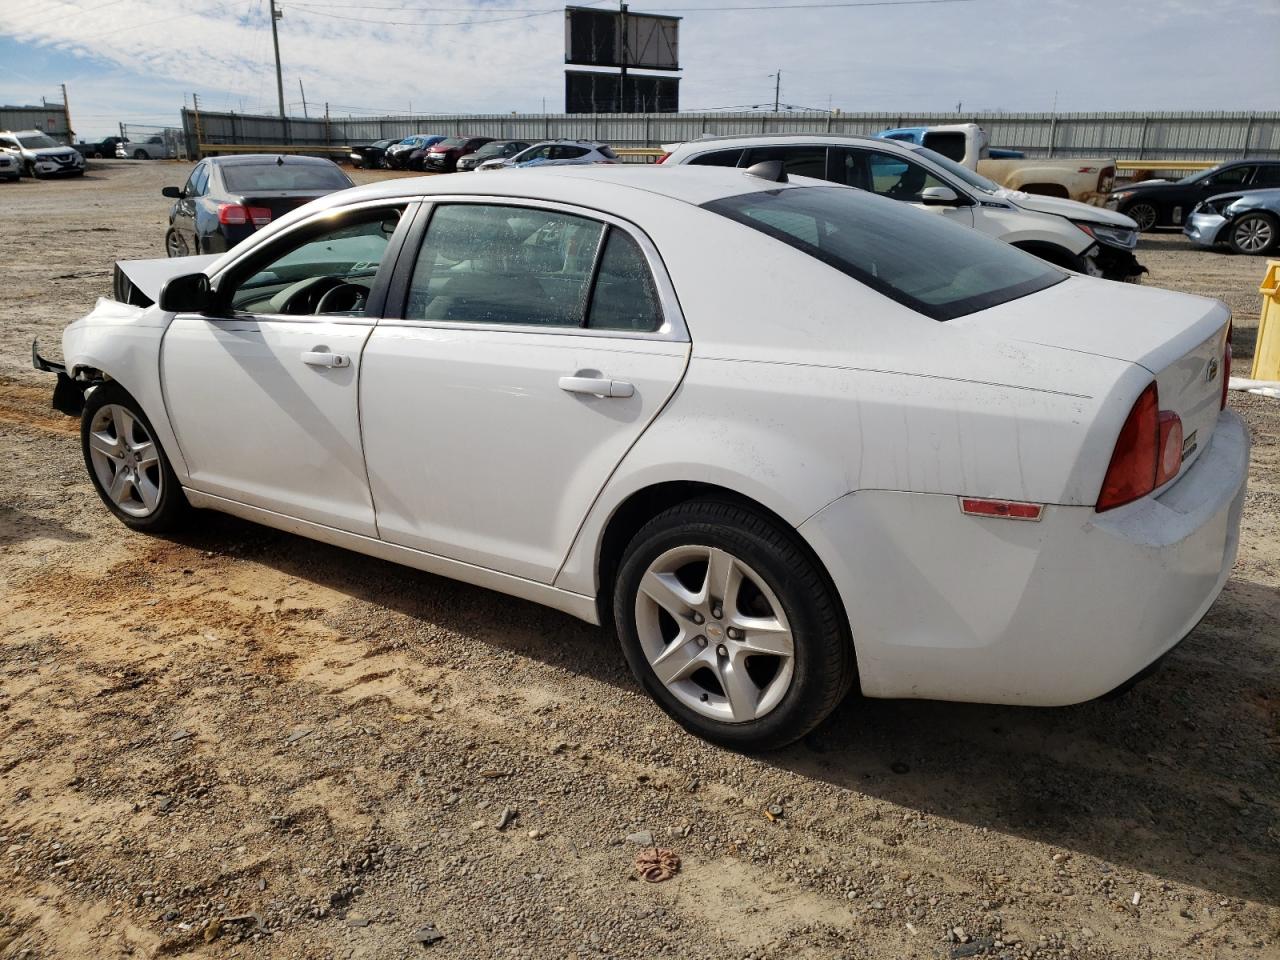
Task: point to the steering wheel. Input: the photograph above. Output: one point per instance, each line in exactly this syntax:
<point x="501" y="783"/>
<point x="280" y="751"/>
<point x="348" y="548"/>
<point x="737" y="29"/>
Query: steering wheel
<point x="344" y="298"/>
<point x="304" y="296"/>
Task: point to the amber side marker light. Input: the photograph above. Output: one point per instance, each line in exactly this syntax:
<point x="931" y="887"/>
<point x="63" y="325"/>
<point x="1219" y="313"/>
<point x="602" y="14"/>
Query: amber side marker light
<point x="1002" y="509"/>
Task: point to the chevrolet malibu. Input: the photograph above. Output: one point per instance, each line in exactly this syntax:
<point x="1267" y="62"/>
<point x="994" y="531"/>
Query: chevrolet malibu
<point x="782" y="437"/>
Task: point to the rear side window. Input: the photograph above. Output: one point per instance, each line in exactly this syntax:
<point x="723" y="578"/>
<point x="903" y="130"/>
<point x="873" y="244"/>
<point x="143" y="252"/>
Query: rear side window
<point x="951" y="145"/>
<point x="624" y="297"/>
<point x="1268" y="175"/>
<point x="798" y="161"/>
<point x="718" y="158"/>
<point x="936" y="268"/>
<point x="247" y="177"/>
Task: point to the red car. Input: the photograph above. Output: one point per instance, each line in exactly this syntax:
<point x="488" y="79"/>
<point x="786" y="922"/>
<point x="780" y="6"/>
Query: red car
<point x="444" y="156"/>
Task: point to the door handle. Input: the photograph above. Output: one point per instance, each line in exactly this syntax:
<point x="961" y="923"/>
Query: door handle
<point x="597" y="386"/>
<point x="323" y="358"/>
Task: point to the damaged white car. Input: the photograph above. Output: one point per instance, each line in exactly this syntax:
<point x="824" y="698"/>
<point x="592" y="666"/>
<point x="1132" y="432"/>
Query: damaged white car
<point x="784" y="437"/>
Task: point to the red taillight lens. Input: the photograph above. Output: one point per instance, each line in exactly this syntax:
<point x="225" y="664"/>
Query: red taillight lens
<point x="1170" y="460"/>
<point x="260" y="216"/>
<point x="1226" y="368"/>
<point x="663" y="158"/>
<point x="1132" y="472"/>
<point x="232" y="214"/>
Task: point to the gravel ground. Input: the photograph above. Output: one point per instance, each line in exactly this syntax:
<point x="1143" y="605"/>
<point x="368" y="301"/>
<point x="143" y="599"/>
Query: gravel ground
<point x="243" y="744"/>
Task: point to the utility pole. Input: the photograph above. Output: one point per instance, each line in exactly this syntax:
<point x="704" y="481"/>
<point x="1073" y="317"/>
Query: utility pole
<point x="304" y="99"/>
<point x="622" y="77"/>
<point x="66" y="112"/>
<point x="777" y="88"/>
<point x="275" y="42"/>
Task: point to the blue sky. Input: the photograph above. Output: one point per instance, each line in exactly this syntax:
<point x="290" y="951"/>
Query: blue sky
<point x="135" y="60"/>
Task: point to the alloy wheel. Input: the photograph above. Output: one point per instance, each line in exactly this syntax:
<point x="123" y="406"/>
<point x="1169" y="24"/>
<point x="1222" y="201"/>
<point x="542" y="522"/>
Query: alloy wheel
<point x="1143" y="214"/>
<point x="714" y="634"/>
<point x="176" y="244"/>
<point x="1253" y="234"/>
<point x="126" y="460"/>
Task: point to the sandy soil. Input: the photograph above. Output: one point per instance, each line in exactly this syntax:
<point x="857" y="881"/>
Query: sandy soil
<point x="244" y="744"/>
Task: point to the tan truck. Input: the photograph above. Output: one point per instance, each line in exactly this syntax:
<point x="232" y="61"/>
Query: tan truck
<point x="1086" y="179"/>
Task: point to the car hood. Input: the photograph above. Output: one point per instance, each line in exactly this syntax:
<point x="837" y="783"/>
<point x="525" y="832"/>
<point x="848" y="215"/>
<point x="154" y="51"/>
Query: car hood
<point x="49" y="151"/>
<point x="1143" y="325"/>
<point x="1070" y="209"/>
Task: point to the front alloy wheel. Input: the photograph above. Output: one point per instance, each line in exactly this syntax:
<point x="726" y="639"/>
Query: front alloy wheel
<point x="730" y="624"/>
<point x="126" y="463"/>
<point x="175" y="244"/>
<point x="1254" y="233"/>
<point x="1143" y="214"/>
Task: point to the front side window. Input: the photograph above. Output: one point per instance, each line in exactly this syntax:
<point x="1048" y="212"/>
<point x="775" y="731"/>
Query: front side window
<point x="798" y="161"/>
<point x="326" y="270"/>
<point x="898" y="178"/>
<point x="934" y="267"/>
<point x="197" y="181"/>
<point x="1233" y="177"/>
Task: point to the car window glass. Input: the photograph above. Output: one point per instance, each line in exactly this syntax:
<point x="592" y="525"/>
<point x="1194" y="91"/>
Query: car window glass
<point x="569" y="153"/>
<point x="951" y="144"/>
<point x="243" y="177"/>
<point x="327" y="272"/>
<point x="198" y="181"/>
<point x="1267" y="176"/>
<point x="798" y="161"/>
<point x="898" y="178"/>
<point x="484" y="263"/>
<point x="849" y="167"/>
<point x="624" y="297"/>
<point x="932" y="266"/>
<point x="718" y="158"/>
<point x="1233" y="177"/>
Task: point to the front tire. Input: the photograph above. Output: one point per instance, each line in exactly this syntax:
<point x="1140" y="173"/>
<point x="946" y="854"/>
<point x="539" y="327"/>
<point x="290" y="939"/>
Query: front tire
<point x="139" y="154"/>
<point x="731" y="626"/>
<point x="126" y="463"/>
<point x="175" y="244"/>
<point x="1254" y="233"/>
<point x="1144" y="215"/>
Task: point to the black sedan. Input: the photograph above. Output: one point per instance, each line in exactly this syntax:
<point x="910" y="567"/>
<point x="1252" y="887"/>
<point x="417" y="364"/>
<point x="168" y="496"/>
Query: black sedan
<point x="1166" y="203"/>
<point x="493" y="150"/>
<point x="369" y="155"/>
<point x="227" y="198"/>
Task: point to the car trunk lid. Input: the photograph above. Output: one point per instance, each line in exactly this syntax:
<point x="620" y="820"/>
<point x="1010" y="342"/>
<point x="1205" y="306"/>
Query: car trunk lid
<point x="280" y="202"/>
<point x="1178" y="338"/>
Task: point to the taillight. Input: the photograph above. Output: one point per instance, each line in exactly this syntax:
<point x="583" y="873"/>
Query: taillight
<point x="663" y="158"/>
<point x="1226" y="367"/>
<point x="232" y="214"/>
<point x="1148" y="452"/>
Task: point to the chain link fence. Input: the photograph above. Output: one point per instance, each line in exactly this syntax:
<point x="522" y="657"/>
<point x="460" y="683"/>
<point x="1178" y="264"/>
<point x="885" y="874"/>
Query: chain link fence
<point x="156" y="142"/>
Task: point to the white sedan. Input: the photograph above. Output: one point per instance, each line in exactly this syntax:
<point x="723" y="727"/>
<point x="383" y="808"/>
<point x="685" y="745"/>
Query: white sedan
<point x="784" y="437"/>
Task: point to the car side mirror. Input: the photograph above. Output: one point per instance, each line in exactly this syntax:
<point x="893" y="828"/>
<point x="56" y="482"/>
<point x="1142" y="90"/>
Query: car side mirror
<point x="189" y="293"/>
<point x="939" y="197"/>
<point x="172" y="192"/>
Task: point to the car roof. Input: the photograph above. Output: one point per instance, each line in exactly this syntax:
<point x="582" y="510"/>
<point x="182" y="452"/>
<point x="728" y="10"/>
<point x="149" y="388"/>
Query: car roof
<point x="773" y="139"/>
<point x="286" y="159"/>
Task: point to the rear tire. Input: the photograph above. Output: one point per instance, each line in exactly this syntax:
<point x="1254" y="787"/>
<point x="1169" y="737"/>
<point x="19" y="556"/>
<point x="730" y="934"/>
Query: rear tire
<point x="1143" y="214"/>
<point x="139" y="154"/>
<point x="1254" y="233"/>
<point x="744" y="625"/>
<point x="175" y="244"/>
<point x="127" y="466"/>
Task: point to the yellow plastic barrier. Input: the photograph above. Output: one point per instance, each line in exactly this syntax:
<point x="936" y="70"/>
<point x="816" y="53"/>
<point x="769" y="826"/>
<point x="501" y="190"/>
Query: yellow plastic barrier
<point x="1266" y="354"/>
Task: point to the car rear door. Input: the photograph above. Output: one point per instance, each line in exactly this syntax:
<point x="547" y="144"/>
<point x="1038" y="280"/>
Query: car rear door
<point x="535" y="344"/>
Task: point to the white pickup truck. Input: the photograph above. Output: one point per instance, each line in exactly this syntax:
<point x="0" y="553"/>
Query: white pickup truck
<point x="152" y="148"/>
<point x="1086" y="179"/>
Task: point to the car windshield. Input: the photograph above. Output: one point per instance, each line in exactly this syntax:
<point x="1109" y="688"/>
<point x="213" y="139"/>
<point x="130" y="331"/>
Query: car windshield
<point x="248" y="177"/>
<point x="37" y="141"/>
<point x="452" y="142"/>
<point x="492" y="149"/>
<point x="936" y="268"/>
<point x="975" y="180"/>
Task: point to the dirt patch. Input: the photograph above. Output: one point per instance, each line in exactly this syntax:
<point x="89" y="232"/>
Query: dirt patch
<point x="242" y="743"/>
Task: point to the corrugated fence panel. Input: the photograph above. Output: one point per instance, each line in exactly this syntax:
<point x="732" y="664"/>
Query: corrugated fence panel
<point x="1219" y="135"/>
<point x="50" y="119"/>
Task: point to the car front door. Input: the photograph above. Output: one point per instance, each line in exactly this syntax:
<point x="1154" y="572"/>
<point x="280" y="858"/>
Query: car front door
<point x="184" y="208"/>
<point x="535" y="345"/>
<point x="262" y="392"/>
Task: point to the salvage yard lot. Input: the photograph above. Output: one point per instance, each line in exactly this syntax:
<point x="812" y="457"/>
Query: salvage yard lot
<point x="242" y="743"/>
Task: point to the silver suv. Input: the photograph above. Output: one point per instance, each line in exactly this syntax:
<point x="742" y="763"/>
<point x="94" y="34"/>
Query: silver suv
<point x="39" y="155"/>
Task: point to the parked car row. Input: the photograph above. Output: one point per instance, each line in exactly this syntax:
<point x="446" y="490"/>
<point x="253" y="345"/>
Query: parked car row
<point x="438" y="154"/>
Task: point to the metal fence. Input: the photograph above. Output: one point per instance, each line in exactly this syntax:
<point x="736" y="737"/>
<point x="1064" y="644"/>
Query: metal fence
<point x="50" y="118"/>
<point x="1124" y="136"/>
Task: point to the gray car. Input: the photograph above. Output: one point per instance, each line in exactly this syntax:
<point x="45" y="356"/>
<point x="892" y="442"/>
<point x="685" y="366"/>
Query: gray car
<point x="1249" y="221"/>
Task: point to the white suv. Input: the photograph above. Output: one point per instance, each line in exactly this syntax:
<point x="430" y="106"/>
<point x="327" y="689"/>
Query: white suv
<point x="39" y="155"/>
<point x="1073" y="235"/>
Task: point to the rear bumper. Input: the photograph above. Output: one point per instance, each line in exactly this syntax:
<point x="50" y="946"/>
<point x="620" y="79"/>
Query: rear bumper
<point x="952" y="607"/>
<point x="1203" y="229"/>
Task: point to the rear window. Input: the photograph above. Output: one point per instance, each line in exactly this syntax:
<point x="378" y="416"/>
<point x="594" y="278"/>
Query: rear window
<point x="936" y="268"/>
<point x="247" y="177"/>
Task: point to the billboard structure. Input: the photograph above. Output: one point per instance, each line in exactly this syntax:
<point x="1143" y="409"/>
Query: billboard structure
<point x="622" y="41"/>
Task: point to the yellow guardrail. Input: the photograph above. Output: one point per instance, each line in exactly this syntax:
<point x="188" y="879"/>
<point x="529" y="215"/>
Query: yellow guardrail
<point x="654" y="152"/>
<point x="1166" y="164"/>
<point x="1266" y="352"/>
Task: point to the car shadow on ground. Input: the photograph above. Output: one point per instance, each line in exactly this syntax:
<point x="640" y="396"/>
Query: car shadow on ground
<point x="1177" y="777"/>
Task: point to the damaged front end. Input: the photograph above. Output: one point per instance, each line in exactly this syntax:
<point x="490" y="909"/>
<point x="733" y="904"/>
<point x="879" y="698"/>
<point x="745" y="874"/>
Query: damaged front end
<point x="68" y="393"/>
<point x="1113" y="263"/>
